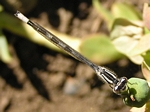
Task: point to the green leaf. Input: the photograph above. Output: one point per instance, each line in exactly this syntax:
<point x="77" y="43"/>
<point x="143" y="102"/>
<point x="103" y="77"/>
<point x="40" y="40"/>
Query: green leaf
<point x="105" y="14"/>
<point x="126" y="11"/>
<point x="142" y="46"/>
<point x="146" y="57"/>
<point x="146" y="65"/>
<point x="1" y="8"/>
<point x="4" y="52"/>
<point x="123" y="27"/>
<point x="99" y="49"/>
<point x="126" y="36"/>
<point x="146" y="71"/>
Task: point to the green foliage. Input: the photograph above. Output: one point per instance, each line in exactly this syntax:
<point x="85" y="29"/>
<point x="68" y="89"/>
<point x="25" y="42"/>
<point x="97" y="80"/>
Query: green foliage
<point x="126" y="11"/>
<point x="118" y="10"/>
<point x="128" y="36"/>
<point x="99" y="48"/>
<point x="146" y="61"/>
<point x="139" y="92"/>
<point x="106" y="15"/>
<point x="131" y="38"/>
<point x="4" y="52"/>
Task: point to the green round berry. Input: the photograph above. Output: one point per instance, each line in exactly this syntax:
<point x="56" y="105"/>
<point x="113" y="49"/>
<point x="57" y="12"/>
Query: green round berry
<point x="138" y="92"/>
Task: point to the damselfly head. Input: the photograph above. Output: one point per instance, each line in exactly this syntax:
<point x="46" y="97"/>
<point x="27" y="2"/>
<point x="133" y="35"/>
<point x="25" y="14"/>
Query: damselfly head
<point x="121" y="86"/>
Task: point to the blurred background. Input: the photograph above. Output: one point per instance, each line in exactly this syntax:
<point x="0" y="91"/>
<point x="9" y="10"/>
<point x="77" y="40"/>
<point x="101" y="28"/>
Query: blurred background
<point x="35" y="76"/>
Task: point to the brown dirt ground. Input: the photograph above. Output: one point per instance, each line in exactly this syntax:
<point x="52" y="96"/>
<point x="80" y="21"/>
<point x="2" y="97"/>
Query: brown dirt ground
<point x="42" y="80"/>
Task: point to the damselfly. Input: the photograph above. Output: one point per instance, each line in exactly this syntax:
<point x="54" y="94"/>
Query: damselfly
<point x="118" y="85"/>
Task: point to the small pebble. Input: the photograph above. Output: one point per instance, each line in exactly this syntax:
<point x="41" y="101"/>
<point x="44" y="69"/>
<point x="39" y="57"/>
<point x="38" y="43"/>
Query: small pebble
<point x="72" y="86"/>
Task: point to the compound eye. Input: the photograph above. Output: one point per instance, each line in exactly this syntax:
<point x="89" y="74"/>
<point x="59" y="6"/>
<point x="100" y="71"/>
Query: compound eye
<point x="120" y="89"/>
<point x="121" y="86"/>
